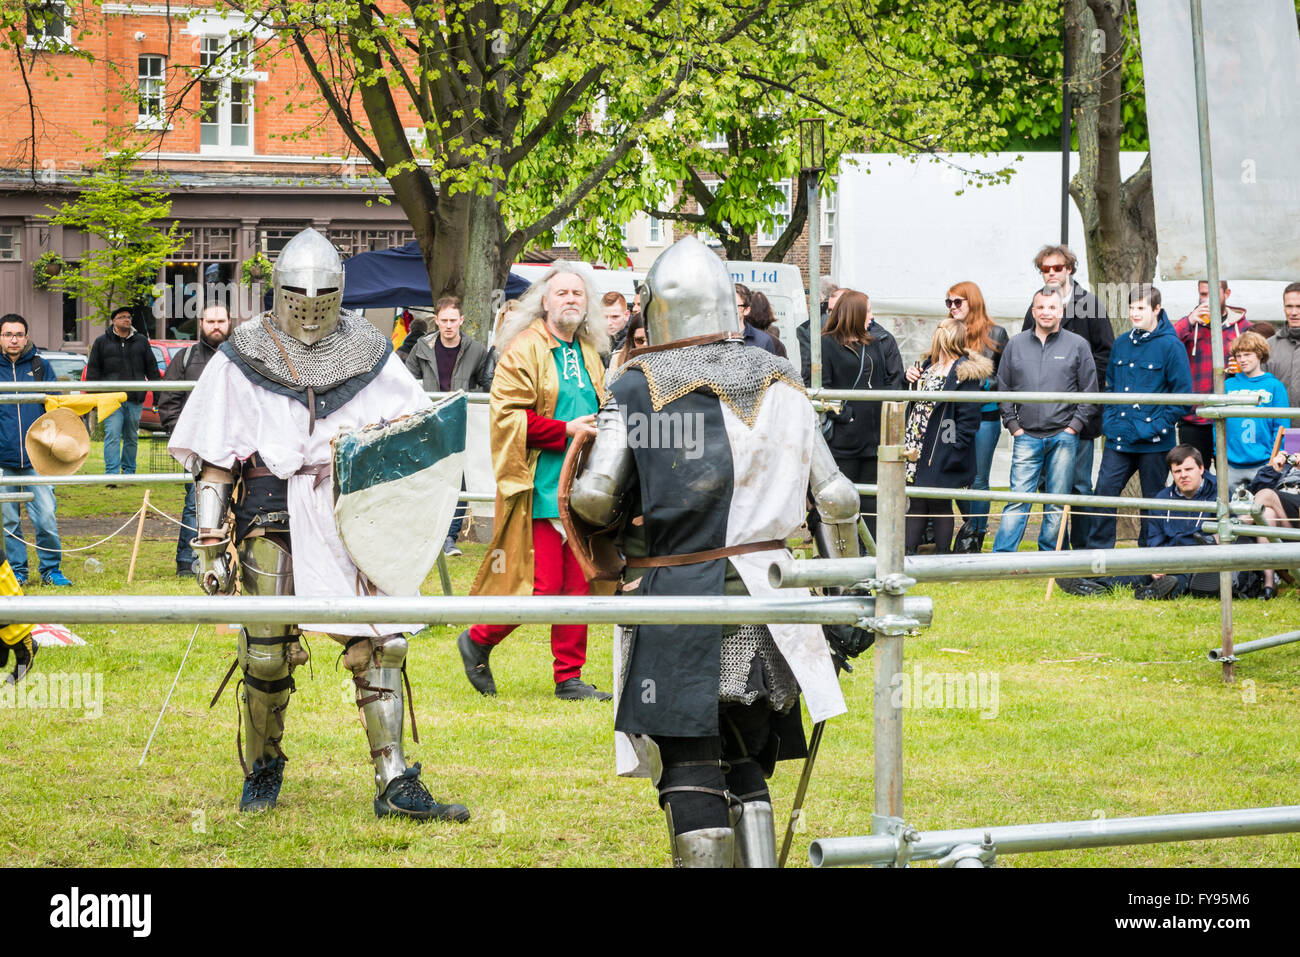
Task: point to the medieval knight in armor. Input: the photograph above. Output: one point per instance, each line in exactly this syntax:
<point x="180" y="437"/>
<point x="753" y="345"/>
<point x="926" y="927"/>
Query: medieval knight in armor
<point x="256" y="433"/>
<point x="715" y="444"/>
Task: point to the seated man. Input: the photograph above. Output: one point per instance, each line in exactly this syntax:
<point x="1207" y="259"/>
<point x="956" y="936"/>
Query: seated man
<point x="1276" y="490"/>
<point x="1167" y="528"/>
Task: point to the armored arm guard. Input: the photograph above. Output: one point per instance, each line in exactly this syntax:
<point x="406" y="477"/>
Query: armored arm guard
<point x="212" y="489"/>
<point x="598" y="490"/>
<point x="837" y="504"/>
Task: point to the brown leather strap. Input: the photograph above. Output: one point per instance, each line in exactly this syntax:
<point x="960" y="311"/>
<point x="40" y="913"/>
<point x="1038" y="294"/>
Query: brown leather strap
<point x="224" y="681"/>
<point x="695" y="558"/>
<point x="279" y="345"/>
<point x="256" y="471"/>
<point x="321" y="471"/>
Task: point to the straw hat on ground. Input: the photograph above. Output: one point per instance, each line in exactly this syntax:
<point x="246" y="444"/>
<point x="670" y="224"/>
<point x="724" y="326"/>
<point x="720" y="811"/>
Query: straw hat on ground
<point x="57" y="443"/>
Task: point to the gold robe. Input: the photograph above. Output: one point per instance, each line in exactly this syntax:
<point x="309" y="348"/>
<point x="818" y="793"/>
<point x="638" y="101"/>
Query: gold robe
<point x="525" y="379"/>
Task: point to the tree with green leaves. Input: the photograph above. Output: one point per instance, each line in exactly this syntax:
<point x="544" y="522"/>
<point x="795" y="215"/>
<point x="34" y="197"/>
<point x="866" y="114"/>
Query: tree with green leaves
<point x="122" y="209"/>
<point x="497" y="124"/>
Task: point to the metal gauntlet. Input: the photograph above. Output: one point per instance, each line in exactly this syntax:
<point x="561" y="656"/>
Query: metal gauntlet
<point x="837" y="504"/>
<point x="212" y="488"/>
<point x="598" y="490"/>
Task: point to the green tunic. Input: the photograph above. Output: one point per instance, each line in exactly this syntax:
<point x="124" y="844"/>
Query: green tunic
<point x="577" y="398"/>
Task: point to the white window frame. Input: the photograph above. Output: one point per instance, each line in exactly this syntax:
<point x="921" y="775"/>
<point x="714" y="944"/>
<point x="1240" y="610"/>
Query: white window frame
<point x="829" y="203"/>
<point x="15" y="245"/>
<point x="147" y="120"/>
<point x="46" y="40"/>
<point x="655" y="232"/>
<point x="228" y="66"/>
<point x="782" y="212"/>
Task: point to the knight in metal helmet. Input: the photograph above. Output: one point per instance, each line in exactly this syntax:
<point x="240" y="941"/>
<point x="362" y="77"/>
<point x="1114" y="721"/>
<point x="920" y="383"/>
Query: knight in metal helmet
<point x="714" y="445"/>
<point x="256" y="433"/>
<point x="308" y="288"/>
<point x="687" y="294"/>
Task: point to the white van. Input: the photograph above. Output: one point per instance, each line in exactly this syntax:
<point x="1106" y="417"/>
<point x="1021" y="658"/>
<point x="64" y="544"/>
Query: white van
<point x="783" y="286"/>
<point x="607" y="280"/>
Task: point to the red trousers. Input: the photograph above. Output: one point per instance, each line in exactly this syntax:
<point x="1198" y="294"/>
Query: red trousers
<point x="555" y="572"/>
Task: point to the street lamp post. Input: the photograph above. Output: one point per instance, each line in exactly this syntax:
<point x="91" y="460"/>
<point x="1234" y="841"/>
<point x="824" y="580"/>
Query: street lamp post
<point x="812" y="162"/>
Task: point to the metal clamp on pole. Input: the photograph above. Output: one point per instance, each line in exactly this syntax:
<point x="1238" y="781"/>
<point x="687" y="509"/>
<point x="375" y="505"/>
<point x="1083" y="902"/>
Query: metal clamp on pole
<point x="971" y="855"/>
<point x="892" y="625"/>
<point x="896" y="830"/>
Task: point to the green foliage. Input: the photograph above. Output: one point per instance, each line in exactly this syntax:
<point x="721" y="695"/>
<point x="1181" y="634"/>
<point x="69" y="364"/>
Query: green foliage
<point x="122" y="209"/>
<point x="261" y="264"/>
<point x="46" y="269"/>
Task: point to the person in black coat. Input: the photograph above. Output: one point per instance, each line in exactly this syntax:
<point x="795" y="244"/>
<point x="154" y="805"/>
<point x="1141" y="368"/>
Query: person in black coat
<point x="965" y="301"/>
<point x="122" y="355"/>
<point x="943" y="434"/>
<point x="857" y="353"/>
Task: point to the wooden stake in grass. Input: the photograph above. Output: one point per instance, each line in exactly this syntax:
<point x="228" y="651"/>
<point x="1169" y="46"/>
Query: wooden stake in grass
<point x="139" y="534"/>
<point x="1060" y="540"/>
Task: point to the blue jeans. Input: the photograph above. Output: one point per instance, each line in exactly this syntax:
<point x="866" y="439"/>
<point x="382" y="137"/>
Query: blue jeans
<point x="986" y="443"/>
<point x="1081" y="525"/>
<point x="1031" y="457"/>
<point x="122" y="426"/>
<point x="189" y="528"/>
<point x="1116" y="469"/>
<point x="41" y="511"/>
<point x="458" y="517"/>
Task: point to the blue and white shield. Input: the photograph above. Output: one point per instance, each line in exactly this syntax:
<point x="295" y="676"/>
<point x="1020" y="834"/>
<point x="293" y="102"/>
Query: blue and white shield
<point x="395" y="491"/>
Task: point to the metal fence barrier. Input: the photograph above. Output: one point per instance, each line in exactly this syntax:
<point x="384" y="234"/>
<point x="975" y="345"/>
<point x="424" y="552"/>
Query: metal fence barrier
<point x="977" y="847"/>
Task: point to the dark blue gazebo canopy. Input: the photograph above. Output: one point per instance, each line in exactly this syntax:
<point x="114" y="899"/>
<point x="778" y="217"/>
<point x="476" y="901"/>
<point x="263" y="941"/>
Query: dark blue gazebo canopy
<point x="394" y="278"/>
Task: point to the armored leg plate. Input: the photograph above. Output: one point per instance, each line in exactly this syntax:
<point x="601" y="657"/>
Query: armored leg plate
<point x="264" y="697"/>
<point x="379" y="699"/>
<point x="755" y="834"/>
<point x="708" y="847"/>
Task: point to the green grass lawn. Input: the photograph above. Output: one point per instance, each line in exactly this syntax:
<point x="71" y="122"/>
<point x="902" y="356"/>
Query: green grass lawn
<point x="1105" y="706"/>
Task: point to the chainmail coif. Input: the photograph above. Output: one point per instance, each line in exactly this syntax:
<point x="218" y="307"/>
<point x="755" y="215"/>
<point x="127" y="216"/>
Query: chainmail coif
<point x="737" y="374"/>
<point x="354" y="347"/>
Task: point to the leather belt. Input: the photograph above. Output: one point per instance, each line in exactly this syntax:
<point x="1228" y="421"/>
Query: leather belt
<point x="695" y="558"/>
<point x="321" y="471"/>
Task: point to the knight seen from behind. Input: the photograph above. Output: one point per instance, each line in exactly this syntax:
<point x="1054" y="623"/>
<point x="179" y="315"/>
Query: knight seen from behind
<point x="715" y="448"/>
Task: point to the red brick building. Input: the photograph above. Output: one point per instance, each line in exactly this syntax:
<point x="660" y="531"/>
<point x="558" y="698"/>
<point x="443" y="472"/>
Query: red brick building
<point x="251" y="153"/>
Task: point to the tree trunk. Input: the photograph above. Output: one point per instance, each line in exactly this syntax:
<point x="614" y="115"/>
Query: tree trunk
<point x="1118" y="215"/>
<point x="484" y="272"/>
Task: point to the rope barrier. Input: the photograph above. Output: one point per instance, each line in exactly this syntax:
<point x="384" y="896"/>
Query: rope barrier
<point x="134" y="515"/>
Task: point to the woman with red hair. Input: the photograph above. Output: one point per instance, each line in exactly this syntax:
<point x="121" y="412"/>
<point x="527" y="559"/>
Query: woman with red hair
<point x="984" y="337"/>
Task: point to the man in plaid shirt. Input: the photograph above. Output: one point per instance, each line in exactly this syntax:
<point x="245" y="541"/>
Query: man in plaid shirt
<point x="1194" y="330"/>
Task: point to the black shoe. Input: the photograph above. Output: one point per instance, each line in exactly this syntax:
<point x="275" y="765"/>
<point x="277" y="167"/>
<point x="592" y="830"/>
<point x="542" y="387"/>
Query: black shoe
<point x="184" y="571"/>
<point x="575" y="689"/>
<point x="262" y="786"/>
<point x="405" y="796"/>
<point x="1084" y="587"/>
<point x="1269" y="593"/>
<point x="475" y="657"/>
<point x="24" y="655"/>
<point x="1160" y="588"/>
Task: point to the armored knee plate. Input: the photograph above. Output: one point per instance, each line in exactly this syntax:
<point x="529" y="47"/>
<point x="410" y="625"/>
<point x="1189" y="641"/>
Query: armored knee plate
<point x="705" y="847"/>
<point x="755" y="834"/>
<point x="376" y="665"/>
<point x="267" y="653"/>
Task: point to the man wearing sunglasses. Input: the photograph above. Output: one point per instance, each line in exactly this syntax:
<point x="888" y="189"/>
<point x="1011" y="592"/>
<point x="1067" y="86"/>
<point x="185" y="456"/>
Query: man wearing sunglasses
<point x="1084" y="316"/>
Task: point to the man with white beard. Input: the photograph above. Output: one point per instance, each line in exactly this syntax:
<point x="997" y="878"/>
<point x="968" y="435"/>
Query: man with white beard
<point x="548" y="386"/>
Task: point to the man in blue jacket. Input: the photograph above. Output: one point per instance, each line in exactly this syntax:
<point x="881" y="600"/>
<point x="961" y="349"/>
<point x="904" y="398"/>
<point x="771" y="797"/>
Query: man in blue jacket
<point x="1149" y="358"/>
<point x="23" y="364"/>
<point x="1166" y="528"/>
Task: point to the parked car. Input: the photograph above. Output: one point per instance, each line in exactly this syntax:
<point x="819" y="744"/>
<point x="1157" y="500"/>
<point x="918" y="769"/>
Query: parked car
<point x="164" y="350"/>
<point x="67" y="366"/>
